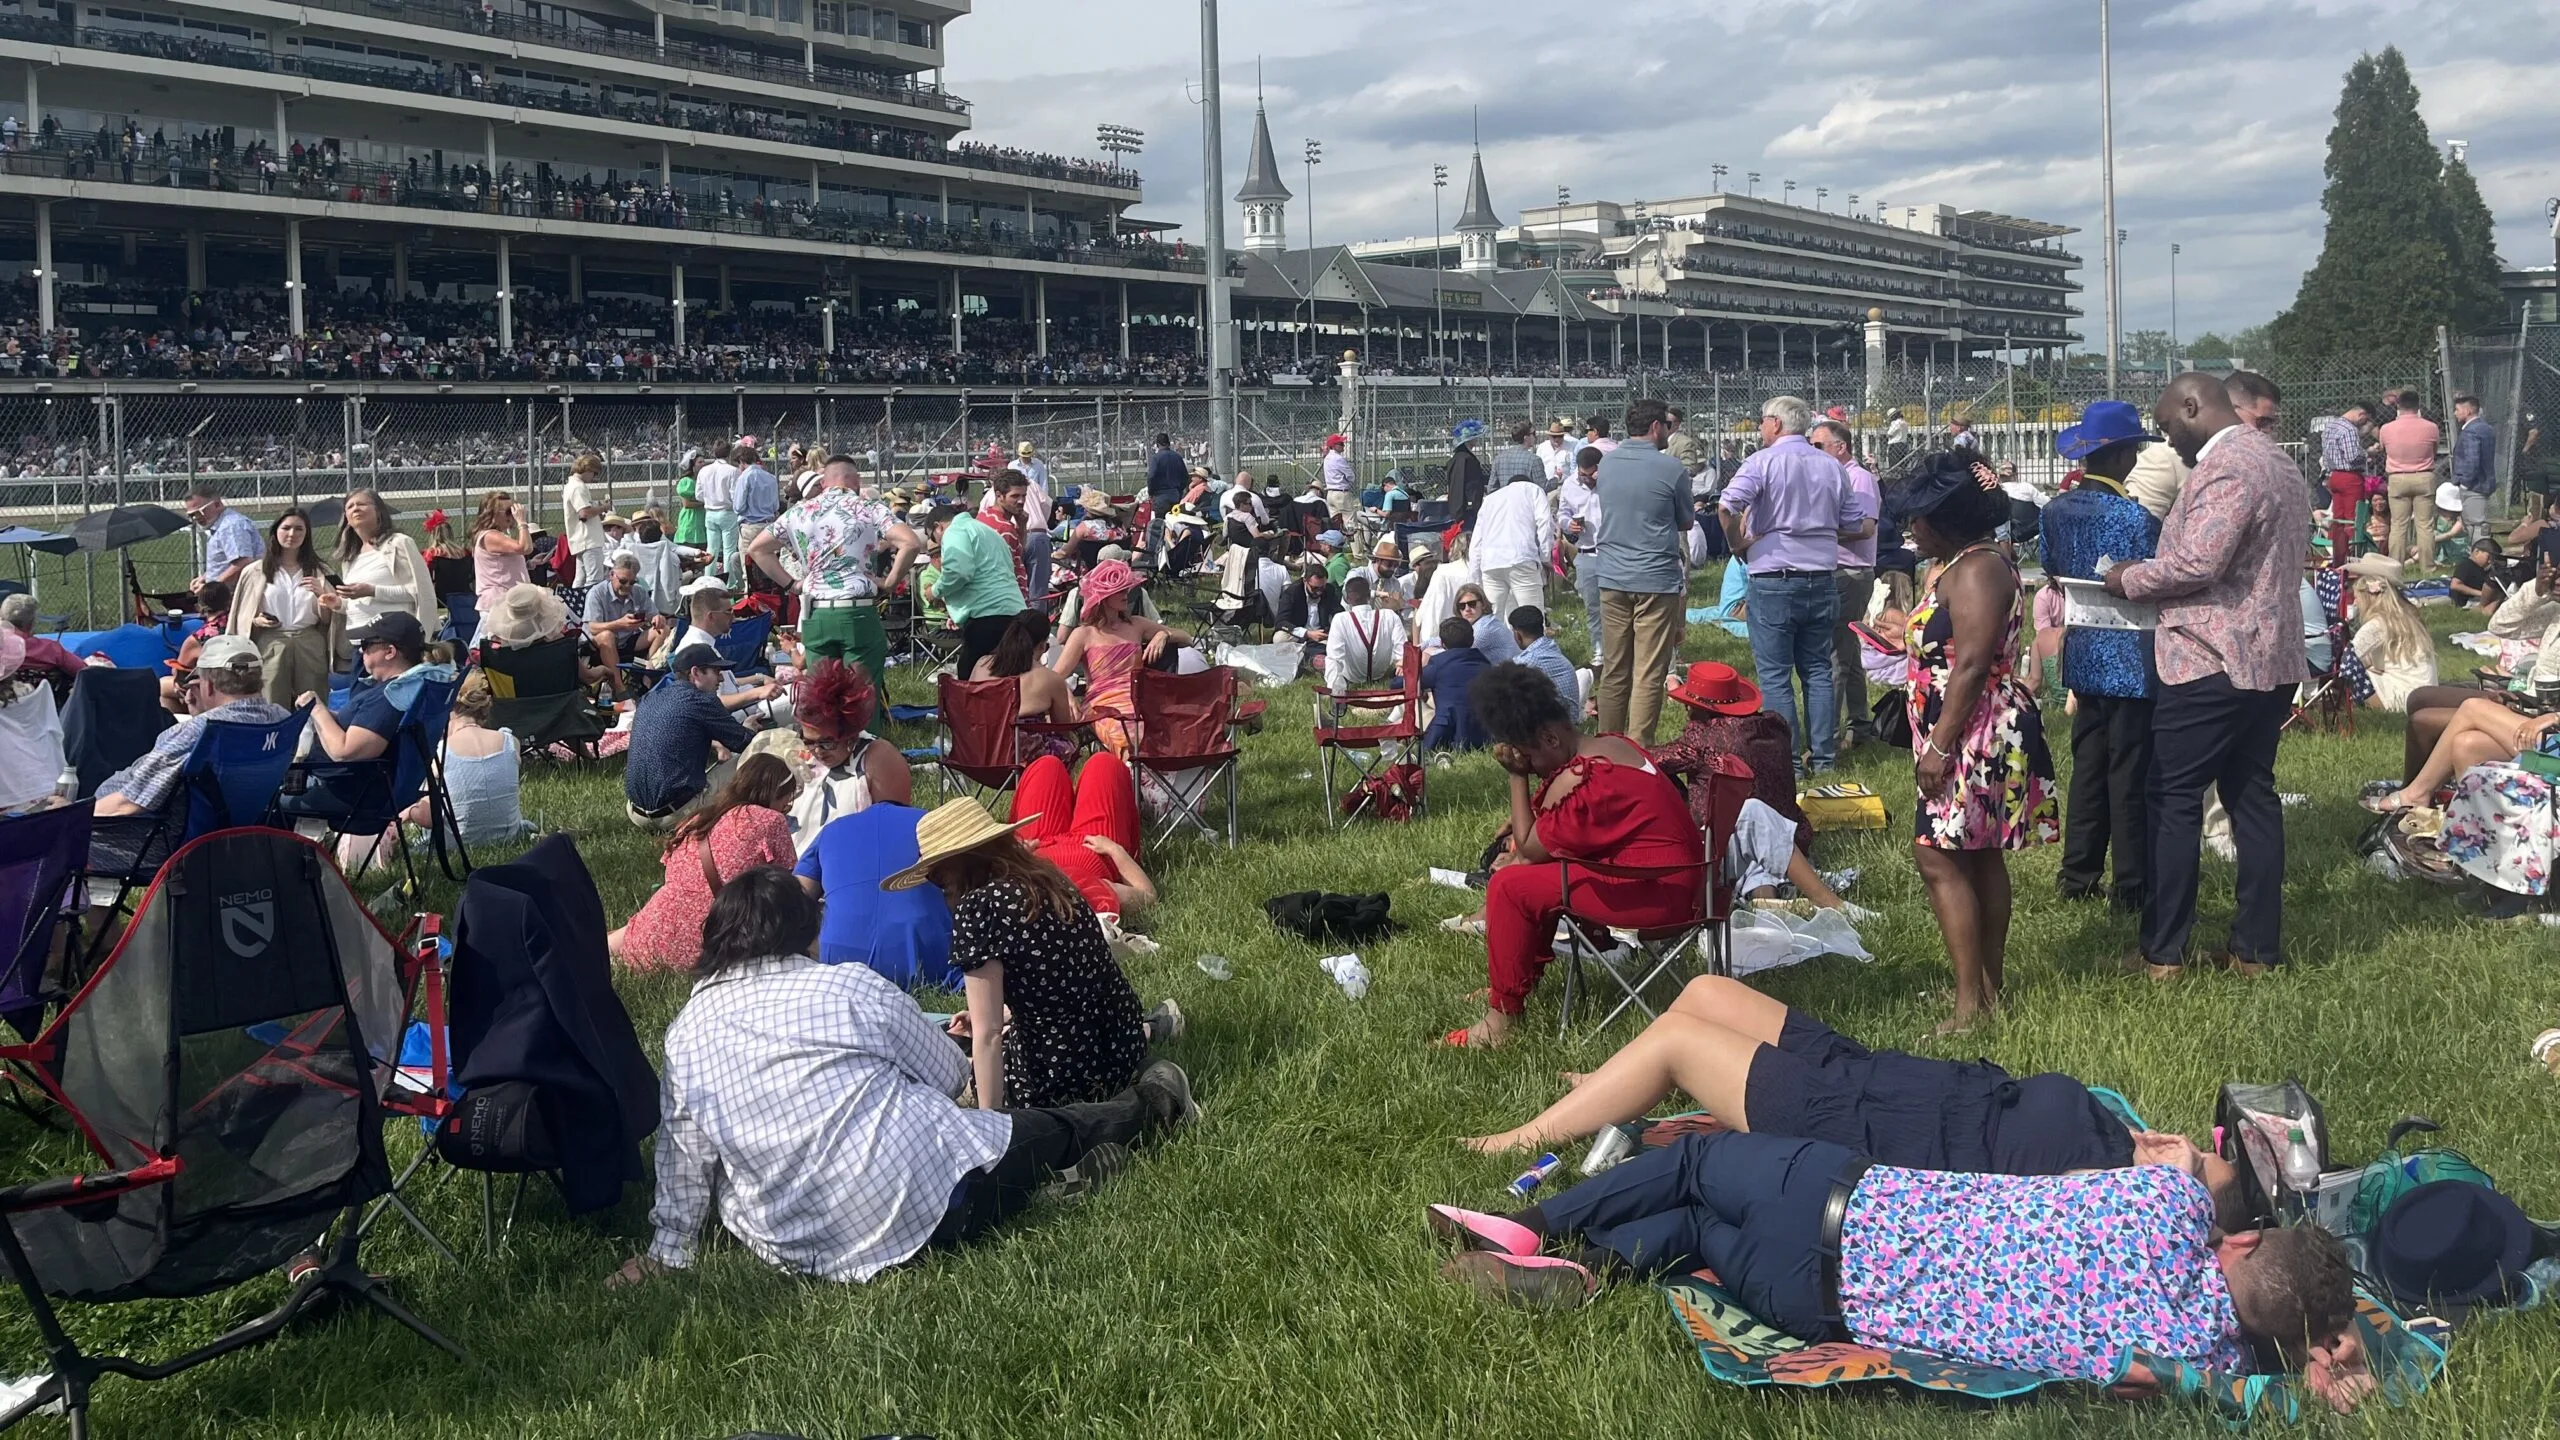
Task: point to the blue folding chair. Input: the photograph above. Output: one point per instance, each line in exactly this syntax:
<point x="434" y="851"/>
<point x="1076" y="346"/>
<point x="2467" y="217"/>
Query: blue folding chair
<point x="231" y="779"/>
<point x="41" y="855"/>
<point x="366" y="798"/>
<point x="461" y="618"/>
<point x="743" y="647"/>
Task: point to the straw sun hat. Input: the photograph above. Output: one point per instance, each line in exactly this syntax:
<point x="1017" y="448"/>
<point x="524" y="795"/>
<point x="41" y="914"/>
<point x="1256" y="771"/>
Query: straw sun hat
<point x="951" y="828"/>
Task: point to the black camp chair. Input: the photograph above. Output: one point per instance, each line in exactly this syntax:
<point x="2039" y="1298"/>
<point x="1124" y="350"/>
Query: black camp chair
<point x="535" y="691"/>
<point x="547" y="1073"/>
<point x="228" y="1064"/>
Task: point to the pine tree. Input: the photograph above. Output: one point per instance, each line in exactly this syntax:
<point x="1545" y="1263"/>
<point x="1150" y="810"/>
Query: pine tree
<point x="2471" y="239"/>
<point x="2382" y="283"/>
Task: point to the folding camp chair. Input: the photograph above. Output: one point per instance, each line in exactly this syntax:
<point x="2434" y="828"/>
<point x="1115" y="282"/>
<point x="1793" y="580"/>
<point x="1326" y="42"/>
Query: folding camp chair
<point x="1368" y="752"/>
<point x="536" y="692"/>
<point x="113" y="716"/>
<point x="231" y="779"/>
<point x="461" y="618"/>
<point x="228" y="1065"/>
<point x="1186" y="730"/>
<point x="744" y="646"/>
<point x="41" y="856"/>
<point x="1658" y="948"/>
<point x="983" y="737"/>
<point x="935" y="645"/>
<point x="897" y="625"/>
<point x="367" y="797"/>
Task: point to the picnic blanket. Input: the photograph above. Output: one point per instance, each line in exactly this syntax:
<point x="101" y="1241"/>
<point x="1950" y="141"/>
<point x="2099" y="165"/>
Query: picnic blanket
<point x="1738" y="1348"/>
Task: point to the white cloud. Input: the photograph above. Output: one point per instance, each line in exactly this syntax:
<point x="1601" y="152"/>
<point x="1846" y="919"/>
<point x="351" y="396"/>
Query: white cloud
<point x="2222" y="110"/>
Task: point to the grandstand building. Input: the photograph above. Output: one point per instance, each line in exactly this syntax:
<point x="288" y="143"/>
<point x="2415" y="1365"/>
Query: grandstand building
<point x="1720" y="281"/>
<point x="449" y="190"/>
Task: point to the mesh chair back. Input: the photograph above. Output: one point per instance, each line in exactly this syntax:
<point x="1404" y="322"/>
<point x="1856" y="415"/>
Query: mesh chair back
<point x="413" y="750"/>
<point x="247" y="1024"/>
<point x="114" y="715"/>
<point x="1184" y="717"/>
<point x="1728" y="783"/>
<point x="461" y="617"/>
<point x="743" y="646"/>
<point x="978" y="736"/>
<point x="233" y="773"/>
<point x="39" y="855"/>
<point x="532" y="672"/>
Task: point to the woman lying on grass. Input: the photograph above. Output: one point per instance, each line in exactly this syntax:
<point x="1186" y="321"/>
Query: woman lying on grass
<point x="1757" y="1065"/>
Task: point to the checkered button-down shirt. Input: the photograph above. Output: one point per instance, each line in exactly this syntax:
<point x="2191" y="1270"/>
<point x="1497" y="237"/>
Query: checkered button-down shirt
<point x="2341" y="444"/>
<point x="814" y="1101"/>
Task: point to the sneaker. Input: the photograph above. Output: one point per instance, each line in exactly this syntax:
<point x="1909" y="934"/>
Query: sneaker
<point x="1165" y="1023"/>
<point x="1166" y="1083"/>
<point x="1092" y="1170"/>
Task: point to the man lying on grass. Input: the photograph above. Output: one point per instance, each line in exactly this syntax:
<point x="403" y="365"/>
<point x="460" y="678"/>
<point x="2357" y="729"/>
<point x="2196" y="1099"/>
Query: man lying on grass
<point x="818" y="1104"/>
<point x="1758" y="1066"/>
<point x="2056" y="1274"/>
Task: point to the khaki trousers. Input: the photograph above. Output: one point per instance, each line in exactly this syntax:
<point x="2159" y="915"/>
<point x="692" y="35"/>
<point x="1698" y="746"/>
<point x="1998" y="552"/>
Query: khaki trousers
<point x="2413" y="509"/>
<point x="1643" y="634"/>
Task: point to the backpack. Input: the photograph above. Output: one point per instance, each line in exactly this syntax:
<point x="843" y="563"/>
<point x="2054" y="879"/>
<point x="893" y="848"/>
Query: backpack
<point x="2396" y="1172"/>
<point x="2250" y="1125"/>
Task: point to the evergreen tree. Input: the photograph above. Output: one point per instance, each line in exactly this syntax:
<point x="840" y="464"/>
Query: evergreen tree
<point x="2383" y="280"/>
<point x="2471" y="240"/>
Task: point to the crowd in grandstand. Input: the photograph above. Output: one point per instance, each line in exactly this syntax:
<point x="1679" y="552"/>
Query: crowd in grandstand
<point x="246" y="334"/>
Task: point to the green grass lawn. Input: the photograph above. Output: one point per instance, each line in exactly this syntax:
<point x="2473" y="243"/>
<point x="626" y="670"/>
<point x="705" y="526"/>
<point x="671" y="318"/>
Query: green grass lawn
<point x="1268" y="1273"/>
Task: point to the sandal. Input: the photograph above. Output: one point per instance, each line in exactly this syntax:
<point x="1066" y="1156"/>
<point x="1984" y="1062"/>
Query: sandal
<point x="1477" y="1230"/>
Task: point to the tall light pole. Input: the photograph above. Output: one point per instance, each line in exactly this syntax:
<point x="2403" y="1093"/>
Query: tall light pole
<point x="1315" y="157"/>
<point x="1118" y="141"/>
<point x="2173" y="302"/>
<point x="1719" y="174"/>
<point x="2107" y="182"/>
<point x="1222" y="439"/>
<point x="1754" y="178"/>
<point x="1821" y="197"/>
<point x="1790" y="192"/>
<point x="1439" y="322"/>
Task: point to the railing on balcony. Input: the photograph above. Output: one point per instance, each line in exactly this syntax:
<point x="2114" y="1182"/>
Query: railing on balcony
<point x="462" y="82"/>
<point x="196" y="161"/>
<point x="641" y="44"/>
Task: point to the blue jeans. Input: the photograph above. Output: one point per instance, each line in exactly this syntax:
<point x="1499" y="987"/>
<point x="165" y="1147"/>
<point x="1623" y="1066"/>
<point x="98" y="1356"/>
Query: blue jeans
<point x="1035" y="564"/>
<point x="1792" y="617"/>
<point x="1586" y="583"/>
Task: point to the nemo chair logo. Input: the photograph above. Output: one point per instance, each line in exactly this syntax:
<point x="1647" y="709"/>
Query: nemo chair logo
<point x="248" y="922"/>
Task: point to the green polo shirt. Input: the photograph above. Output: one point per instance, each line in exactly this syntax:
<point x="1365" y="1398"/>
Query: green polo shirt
<point x="977" y="573"/>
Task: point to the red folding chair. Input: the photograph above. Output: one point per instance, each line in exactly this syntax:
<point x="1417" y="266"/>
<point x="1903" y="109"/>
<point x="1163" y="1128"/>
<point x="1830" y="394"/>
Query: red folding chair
<point x="983" y="734"/>
<point x="1186" y="732"/>
<point x="1372" y="753"/>
<point x="1658" y="948"/>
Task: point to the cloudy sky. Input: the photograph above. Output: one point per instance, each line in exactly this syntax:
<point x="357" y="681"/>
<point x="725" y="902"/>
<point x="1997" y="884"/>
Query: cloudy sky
<point x="2222" y="110"/>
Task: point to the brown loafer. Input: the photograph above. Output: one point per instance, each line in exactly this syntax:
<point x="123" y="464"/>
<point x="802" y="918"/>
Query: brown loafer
<point x="2225" y="960"/>
<point x="2140" y="966"/>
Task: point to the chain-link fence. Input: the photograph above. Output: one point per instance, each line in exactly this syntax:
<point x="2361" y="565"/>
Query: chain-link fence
<point x="69" y="451"/>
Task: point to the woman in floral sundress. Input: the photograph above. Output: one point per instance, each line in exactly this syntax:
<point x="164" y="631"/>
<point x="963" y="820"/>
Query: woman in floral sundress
<point x="1985" y="776"/>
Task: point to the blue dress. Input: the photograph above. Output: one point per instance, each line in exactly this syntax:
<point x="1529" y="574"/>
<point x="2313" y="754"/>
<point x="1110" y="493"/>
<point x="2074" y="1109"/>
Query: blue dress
<point x="904" y="935"/>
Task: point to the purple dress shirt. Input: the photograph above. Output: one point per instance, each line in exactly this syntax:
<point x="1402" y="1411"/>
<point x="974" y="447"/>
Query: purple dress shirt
<point x="1799" y="500"/>
<point x="1861" y="554"/>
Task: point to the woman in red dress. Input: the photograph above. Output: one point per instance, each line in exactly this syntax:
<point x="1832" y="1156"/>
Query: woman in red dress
<point x="1088" y="828"/>
<point x="1635" y="857"/>
<point x="747" y="826"/>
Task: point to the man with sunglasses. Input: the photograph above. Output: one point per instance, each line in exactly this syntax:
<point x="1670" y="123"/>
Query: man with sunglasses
<point x="232" y="542"/>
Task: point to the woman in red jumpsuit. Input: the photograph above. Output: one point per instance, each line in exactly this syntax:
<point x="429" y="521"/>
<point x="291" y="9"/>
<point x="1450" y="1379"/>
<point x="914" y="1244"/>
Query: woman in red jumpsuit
<point x="1603" y="804"/>
<point x="1088" y="828"/>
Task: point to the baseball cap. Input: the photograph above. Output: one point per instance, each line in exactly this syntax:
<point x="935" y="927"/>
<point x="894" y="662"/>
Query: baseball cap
<point x="392" y="627"/>
<point x="704" y="584"/>
<point x="224" y="651"/>
<point x="695" y="657"/>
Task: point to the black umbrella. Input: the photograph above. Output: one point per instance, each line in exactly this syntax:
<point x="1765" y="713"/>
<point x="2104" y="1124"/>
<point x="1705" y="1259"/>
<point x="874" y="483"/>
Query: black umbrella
<point x="126" y="525"/>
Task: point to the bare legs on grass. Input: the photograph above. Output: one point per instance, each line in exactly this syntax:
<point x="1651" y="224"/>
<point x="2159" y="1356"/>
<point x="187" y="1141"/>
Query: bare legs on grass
<point x="1702" y="1046"/>
<point x="1969" y="892"/>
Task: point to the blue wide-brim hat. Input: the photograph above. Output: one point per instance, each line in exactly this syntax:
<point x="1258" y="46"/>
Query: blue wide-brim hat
<point x="2453" y="1244"/>
<point x="2104" y="423"/>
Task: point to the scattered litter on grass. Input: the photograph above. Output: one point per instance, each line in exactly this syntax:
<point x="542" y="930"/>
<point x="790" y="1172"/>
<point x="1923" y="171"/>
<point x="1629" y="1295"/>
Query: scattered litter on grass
<point x="1454" y="879"/>
<point x="2290" y="801"/>
<point x="1216" y="967"/>
<point x="1775" y="939"/>
<point x="1347" y="972"/>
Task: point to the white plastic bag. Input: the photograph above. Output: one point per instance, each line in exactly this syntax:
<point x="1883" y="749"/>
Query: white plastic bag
<point x="1264" y="664"/>
<point x="1774" y="939"/>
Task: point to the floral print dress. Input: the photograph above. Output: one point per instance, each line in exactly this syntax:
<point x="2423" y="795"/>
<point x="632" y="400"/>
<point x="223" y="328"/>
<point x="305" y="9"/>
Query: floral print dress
<point x="1999" y="793"/>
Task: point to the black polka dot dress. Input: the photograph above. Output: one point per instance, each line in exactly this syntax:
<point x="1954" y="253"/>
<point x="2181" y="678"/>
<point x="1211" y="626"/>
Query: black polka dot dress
<point x="1077" y="1031"/>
